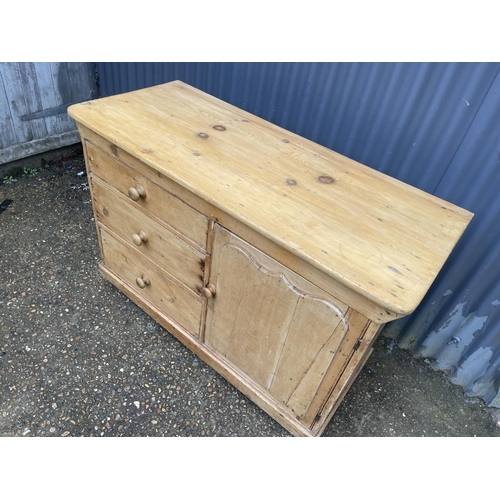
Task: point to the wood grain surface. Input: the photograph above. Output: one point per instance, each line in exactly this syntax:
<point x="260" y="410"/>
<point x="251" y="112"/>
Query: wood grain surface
<point x="162" y="247"/>
<point x="378" y="236"/>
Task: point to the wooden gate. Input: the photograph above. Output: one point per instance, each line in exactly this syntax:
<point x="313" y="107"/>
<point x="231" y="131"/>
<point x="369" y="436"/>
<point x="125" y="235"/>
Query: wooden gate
<point x="34" y="97"/>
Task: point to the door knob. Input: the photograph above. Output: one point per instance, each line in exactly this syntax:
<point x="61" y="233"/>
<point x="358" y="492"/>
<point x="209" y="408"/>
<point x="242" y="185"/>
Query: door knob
<point x="209" y="291"/>
<point x="140" y="238"/>
<point x="142" y="281"/>
<point x="137" y="192"/>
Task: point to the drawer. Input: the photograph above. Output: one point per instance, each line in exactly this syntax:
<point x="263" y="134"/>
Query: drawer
<point x="141" y="191"/>
<point x="162" y="247"/>
<point x="172" y="299"/>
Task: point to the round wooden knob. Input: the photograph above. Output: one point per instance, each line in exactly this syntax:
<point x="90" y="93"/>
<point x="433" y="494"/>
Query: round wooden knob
<point x="132" y="192"/>
<point x="140" y="189"/>
<point x="142" y="281"/>
<point x="137" y="192"/>
<point x="140" y="238"/>
<point x="209" y="291"/>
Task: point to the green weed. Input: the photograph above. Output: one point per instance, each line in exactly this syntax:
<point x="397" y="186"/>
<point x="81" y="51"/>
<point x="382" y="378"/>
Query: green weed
<point x="29" y="171"/>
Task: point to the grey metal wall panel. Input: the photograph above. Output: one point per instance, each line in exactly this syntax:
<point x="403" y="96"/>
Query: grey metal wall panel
<point x="435" y="126"/>
<point x="465" y="301"/>
<point x="33" y="102"/>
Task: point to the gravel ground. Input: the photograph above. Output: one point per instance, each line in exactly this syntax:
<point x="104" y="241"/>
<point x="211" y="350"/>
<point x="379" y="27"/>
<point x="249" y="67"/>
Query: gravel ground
<point x="77" y="358"/>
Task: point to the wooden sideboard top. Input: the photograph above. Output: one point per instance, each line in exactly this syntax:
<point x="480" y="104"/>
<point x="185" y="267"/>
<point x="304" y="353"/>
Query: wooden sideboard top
<point x="376" y="235"/>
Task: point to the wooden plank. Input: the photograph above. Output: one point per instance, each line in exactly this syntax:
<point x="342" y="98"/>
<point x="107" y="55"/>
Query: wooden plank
<point x="378" y="236"/>
<point x="49" y="98"/>
<point x="351" y="342"/>
<point x="13" y="90"/>
<point x="31" y="91"/>
<point x="313" y="339"/>
<point x="23" y="150"/>
<point x="346" y="379"/>
<point x="88" y="76"/>
<point x="7" y="132"/>
<point x="75" y="82"/>
<point x="61" y="83"/>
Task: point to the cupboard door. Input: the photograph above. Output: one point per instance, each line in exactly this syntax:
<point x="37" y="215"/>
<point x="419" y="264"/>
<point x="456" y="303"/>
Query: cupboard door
<point x="277" y="329"/>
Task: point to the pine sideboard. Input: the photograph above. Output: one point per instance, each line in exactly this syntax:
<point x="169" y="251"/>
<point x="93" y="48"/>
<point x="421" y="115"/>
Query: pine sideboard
<point x="274" y="259"/>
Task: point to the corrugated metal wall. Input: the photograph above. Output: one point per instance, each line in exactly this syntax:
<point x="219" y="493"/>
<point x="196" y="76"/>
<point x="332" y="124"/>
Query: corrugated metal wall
<point x="33" y="102"/>
<point x="435" y="126"/>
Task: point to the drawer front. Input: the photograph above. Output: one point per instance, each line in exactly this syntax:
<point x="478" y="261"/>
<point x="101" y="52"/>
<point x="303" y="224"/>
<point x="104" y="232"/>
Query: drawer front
<point x="143" y="192"/>
<point x="151" y="239"/>
<point x="170" y="298"/>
